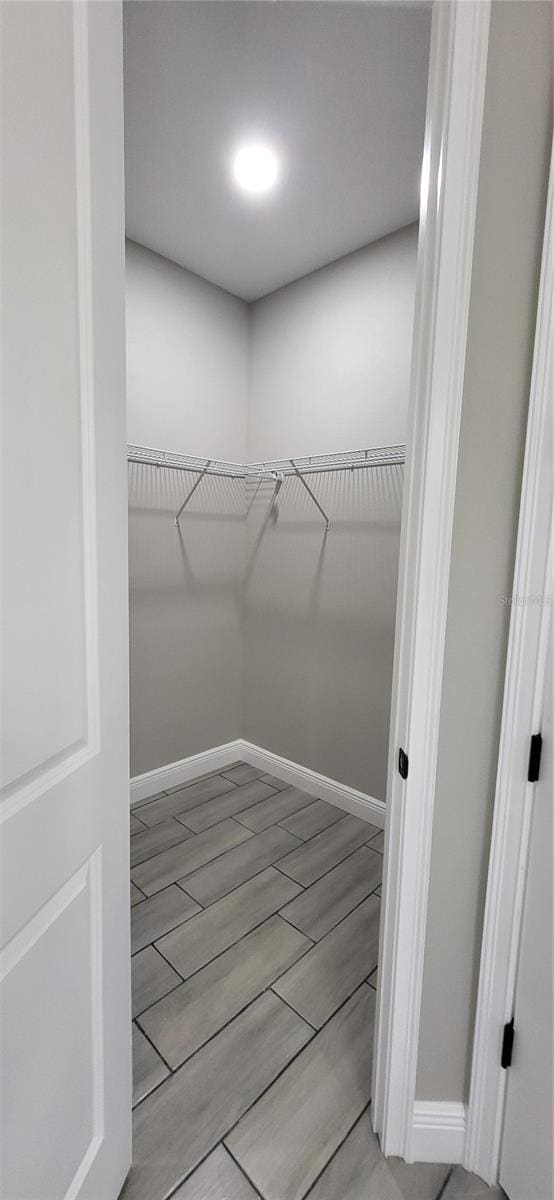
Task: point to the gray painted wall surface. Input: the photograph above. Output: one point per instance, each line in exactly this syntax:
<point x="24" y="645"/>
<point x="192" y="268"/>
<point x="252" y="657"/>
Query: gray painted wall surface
<point x="187" y="360"/>
<point x="330" y="371"/>
<point x="319" y="624"/>
<point x="331" y="355"/>
<point x="510" y="222"/>
<point x="187" y="376"/>
<point x="318" y="615"/>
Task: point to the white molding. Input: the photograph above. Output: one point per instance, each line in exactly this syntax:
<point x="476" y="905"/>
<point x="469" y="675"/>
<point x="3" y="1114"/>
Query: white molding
<point x="211" y="761"/>
<point x="206" y="763"/>
<point x="359" y="804"/>
<point x="438" y="1131"/>
<point x="457" y="75"/>
<point x="522" y="714"/>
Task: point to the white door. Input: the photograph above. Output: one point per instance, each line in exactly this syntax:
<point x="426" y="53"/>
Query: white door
<point x="64" y="958"/>
<point x="527" y="1142"/>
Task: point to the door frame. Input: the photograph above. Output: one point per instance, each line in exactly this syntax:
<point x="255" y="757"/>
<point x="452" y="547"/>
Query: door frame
<point x="521" y="717"/>
<point x="455" y="104"/>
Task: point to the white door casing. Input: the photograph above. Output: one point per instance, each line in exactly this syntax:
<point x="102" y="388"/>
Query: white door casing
<point x="457" y="72"/>
<point x="64" y="957"/>
<point x="526" y="1154"/>
<point x="526" y="665"/>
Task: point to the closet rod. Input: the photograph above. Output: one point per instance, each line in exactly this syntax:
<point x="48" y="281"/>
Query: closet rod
<point x="185" y="462"/>
<point x="276" y="470"/>
<point x="319" y="464"/>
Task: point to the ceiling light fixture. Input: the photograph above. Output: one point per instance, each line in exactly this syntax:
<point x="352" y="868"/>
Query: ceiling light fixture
<point x="255" y="168"/>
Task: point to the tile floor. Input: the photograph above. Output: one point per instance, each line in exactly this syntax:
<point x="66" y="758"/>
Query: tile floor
<point x="255" y="930"/>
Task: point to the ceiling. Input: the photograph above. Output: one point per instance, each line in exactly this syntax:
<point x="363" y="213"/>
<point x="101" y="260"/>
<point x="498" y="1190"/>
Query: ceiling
<point x="337" y="89"/>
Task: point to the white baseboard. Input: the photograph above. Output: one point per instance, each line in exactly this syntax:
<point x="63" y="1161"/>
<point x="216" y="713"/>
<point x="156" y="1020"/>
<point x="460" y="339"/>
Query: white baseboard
<point x="438" y="1131"/>
<point x="206" y="763"/>
<point x="211" y="761"/>
<point x="359" y="804"/>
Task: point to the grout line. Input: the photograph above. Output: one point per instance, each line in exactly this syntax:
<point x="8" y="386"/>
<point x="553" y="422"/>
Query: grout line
<point x="243" y="1171"/>
<point x="233" y="816"/>
<point x="443" y="1186"/>
<point x="221" y="952"/>
<point x="322" y="939"/>
<point x="140" y="1014"/>
<point x="239" y="885"/>
<point x="192" y="782"/>
<point x="185" y="838"/>
<point x="166" y="1064"/>
<point x="291" y="1006"/>
<point x="164" y="889"/>
<point x="289" y="877"/>
<point x="291" y="1060"/>
<point x="263" y="1091"/>
<point x="336" y="1150"/>
<point x="147" y="800"/>
<point x="189" y="841"/>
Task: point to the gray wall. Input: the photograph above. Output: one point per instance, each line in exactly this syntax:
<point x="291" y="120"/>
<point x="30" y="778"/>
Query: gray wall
<point x="187" y="360"/>
<point x="331" y="355"/>
<point x="510" y="221"/>
<point x="187" y="374"/>
<point x="330" y="358"/>
<point x="330" y="364"/>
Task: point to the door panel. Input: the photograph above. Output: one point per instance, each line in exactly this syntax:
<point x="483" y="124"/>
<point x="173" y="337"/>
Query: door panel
<point x="527" y="1142"/>
<point x="64" y="812"/>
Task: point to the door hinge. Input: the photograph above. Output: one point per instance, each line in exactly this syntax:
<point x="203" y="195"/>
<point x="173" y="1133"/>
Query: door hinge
<point x="402" y="763"/>
<point x="507" y="1045"/>
<point x="535" y="751"/>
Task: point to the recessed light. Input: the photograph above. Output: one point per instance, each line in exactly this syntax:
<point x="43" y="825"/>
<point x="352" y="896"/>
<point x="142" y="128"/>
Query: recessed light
<point x="255" y="168"/>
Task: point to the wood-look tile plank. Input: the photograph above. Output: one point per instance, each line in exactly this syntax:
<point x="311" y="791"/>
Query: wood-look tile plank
<point x="358" y="1169"/>
<point x="378" y="842"/>
<point x="135" y="826"/>
<point x="148" y="1067"/>
<point x="151" y="978"/>
<point x="208" y="1095"/>
<point x="210" y="812"/>
<point x="160" y="913"/>
<point x="217" y="1178"/>
<point x="289" y="1135"/>
<point x="275" y="782"/>
<point x="190" y="796"/>
<point x="185" y="1019"/>
<point x="274" y="809"/>
<point x="320" y="907"/>
<point x="314" y="858"/>
<point x="462" y="1185"/>
<point x="187" y="856"/>
<point x="150" y="841"/>
<point x="193" y="945"/>
<point x="137" y="804"/>
<point x="312" y="820"/>
<point x="323" y="979"/>
<point x="215" y="880"/>
<point x="243" y="773"/>
<point x="136" y="895"/>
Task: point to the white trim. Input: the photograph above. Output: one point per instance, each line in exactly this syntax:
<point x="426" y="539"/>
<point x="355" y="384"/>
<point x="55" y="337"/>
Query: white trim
<point x="522" y="714"/>
<point x="438" y="1131"/>
<point x="211" y="761"/>
<point x="359" y="804"/>
<point x="457" y="74"/>
<point x="206" y="763"/>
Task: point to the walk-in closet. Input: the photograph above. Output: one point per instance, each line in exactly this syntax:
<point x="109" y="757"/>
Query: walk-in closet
<point x="272" y="194"/>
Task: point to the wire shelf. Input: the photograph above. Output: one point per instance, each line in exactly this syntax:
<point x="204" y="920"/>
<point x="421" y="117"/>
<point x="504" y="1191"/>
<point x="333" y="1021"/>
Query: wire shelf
<point x="274" y="469"/>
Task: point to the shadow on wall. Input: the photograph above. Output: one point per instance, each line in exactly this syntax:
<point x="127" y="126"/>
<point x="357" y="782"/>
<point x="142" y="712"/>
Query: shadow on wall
<point x="185" y="598"/>
<point x="319" y="617"/>
<point x="268" y="627"/>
